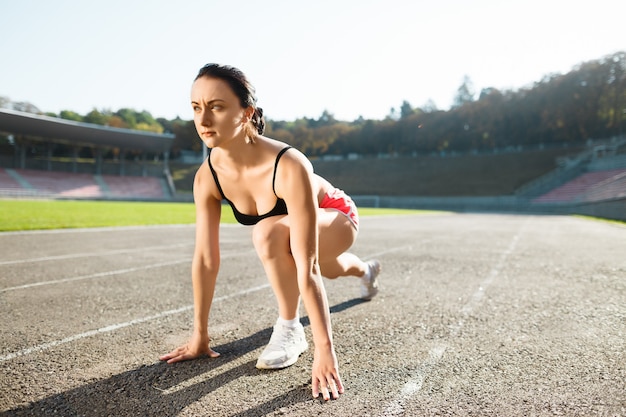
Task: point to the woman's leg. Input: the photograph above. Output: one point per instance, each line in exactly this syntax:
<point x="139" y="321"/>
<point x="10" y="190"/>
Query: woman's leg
<point x="288" y="340"/>
<point x="271" y="241"/>
<point x="337" y="234"/>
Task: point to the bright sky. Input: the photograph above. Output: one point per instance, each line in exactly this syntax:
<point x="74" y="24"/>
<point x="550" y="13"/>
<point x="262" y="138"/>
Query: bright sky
<point x="351" y="57"/>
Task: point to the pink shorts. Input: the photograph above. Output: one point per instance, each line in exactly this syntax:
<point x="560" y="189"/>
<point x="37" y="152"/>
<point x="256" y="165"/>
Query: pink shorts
<point x="338" y="200"/>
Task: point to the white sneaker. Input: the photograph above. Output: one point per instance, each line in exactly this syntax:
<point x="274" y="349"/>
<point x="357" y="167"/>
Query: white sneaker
<point x="369" y="281"/>
<point x="284" y="348"/>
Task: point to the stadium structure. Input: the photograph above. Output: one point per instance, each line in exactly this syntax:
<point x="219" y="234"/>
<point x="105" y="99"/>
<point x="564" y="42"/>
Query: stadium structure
<point x="34" y="171"/>
<point x="589" y="179"/>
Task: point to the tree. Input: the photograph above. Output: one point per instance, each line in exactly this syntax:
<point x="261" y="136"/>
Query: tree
<point x="587" y="102"/>
<point x="406" y="110"/>
<point x="465" y="93"/>
<point x="70" y="115"/>
<point x="96" y="117"/>
<point x="129" y="116"/>
<point x="326" y="119"/>
<point x="429" y="107"/>
<point x="393" y="114"/>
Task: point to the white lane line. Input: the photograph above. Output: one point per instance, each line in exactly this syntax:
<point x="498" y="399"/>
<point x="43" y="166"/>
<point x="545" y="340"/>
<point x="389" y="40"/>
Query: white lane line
<point x="88" y="254"/>
<point x="107" y="229"/>
<point x="115" y="272"/>
<point x="384" y="252"/>
<point x="113" y="327"/>
<point x="414" y="384"/>
<point x="92" y="276"/>
<point x="204" y="376"/>
<point x="478" y="295"/>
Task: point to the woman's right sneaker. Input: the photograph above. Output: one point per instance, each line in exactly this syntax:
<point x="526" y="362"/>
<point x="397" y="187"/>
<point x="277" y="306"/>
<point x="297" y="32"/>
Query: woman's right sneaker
<point x="369" y="281"/>
<point x="284" y="347"/>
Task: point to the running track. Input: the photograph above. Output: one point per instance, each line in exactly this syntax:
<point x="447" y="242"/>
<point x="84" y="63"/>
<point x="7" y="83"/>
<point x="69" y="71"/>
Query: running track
<point x="478" y="314"/>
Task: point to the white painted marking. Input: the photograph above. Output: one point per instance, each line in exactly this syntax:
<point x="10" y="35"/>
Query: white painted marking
<point x="414" y="384"/>
<point x="89" y="254"/>
<point x="206" y="375"/>
<point x="107" y="229"/>
<point x="384" y="252"/>
<point x="113" y="327"/>
<point x="116" y="272"/>
<point x="92" y="276"/>
<point x="478" y="295"/>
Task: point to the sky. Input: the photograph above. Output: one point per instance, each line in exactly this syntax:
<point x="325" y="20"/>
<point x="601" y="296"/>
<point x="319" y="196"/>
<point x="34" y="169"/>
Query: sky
<point x="352" y="58"/>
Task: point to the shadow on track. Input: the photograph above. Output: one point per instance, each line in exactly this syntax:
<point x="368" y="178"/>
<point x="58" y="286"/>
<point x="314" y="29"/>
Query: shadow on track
<point x="141" y="391"/>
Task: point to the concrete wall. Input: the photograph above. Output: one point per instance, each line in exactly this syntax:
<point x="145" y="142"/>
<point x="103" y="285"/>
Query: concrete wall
<point x="612" y="209"/>
<point x="502" y="203"/>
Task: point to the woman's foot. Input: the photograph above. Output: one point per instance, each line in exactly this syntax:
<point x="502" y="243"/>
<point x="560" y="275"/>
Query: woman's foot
<point x="369" y="281"/>
<point x="284" y="347"/>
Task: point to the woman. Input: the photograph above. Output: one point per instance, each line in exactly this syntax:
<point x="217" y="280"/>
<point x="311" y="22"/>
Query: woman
<point x="302" y="226"/>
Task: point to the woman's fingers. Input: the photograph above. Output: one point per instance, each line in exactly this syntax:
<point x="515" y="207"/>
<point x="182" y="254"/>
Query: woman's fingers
<point x="213" y="354"/>
<point x="171" y="354"/>
<point x="340" y="388"/>
<point x="177" y="355"/>
<point x="330" y="391"/>
<point x="184" y="353"/>
<point x="330" y="387"/>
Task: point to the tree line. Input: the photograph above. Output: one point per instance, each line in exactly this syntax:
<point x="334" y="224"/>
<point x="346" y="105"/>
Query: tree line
<point x="587" y="102"/>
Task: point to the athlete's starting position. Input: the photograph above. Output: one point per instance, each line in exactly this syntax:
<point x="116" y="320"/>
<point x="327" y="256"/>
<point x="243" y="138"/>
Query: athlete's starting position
<point x="303" y="226"/>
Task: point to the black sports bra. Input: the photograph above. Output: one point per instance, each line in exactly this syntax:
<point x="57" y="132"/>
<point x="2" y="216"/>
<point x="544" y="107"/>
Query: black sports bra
<point x="246" y="219"/>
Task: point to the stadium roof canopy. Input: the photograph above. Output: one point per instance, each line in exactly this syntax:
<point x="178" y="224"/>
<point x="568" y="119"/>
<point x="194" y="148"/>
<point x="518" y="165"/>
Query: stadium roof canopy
<point x="86" y="134"/>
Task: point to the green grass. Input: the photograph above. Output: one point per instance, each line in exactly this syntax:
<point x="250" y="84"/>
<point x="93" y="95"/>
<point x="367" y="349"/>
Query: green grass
<point x="618" y="222"/>
<point x="18" y="215"/>
<point x="50" y="214"/>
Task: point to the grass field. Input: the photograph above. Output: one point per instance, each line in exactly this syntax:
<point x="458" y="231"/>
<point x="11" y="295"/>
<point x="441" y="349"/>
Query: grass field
<point x="63" y="214"/>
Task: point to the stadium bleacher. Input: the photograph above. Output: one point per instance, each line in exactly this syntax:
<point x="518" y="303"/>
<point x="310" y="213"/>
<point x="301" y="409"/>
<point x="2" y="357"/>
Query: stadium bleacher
<point x="594" y="185"/>
<point x="478" y="177"/>
<point x="7" y="182"/>
<point x="60" y="183"/>
<point x="145" y="187"/>
<point x="56" y="184"/>
<point x="613" y="188"/>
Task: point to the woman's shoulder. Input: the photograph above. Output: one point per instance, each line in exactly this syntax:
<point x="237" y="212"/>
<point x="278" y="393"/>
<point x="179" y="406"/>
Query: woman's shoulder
<point x="272" y="147"/>
<point x="296" y="159"/>
<point x="203" y="170"/>
<point x="272" y="144"/>
<point x="203" y="182"/>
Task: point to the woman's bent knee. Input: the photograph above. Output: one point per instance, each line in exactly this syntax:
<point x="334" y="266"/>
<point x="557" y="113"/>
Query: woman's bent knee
<point x="270" y="239"/>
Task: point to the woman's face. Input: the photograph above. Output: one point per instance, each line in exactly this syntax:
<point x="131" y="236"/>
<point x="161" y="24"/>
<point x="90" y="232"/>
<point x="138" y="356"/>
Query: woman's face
<point x="217" y="112"/>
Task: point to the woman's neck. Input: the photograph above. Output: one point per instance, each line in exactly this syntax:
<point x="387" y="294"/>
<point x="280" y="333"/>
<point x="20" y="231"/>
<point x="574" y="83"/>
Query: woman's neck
<point x="239" y="152"/>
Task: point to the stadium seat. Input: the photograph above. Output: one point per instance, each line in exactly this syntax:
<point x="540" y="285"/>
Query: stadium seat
<point x="580" y="186"/>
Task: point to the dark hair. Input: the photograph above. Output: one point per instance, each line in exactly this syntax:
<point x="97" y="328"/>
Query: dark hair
<point x="242" y="88"/>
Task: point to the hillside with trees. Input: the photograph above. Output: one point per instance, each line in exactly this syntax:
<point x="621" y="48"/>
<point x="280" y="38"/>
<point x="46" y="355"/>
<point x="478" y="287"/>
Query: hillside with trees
<point x="588" y="102"/>
<point x="559" y="111"/>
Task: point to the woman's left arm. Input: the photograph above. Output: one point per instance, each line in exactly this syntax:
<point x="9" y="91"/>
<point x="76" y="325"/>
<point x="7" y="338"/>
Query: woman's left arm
<point x="296" y="186"/>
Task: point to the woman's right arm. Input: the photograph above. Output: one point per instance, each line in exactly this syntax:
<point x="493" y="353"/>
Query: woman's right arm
<point x="204" y="269"/>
